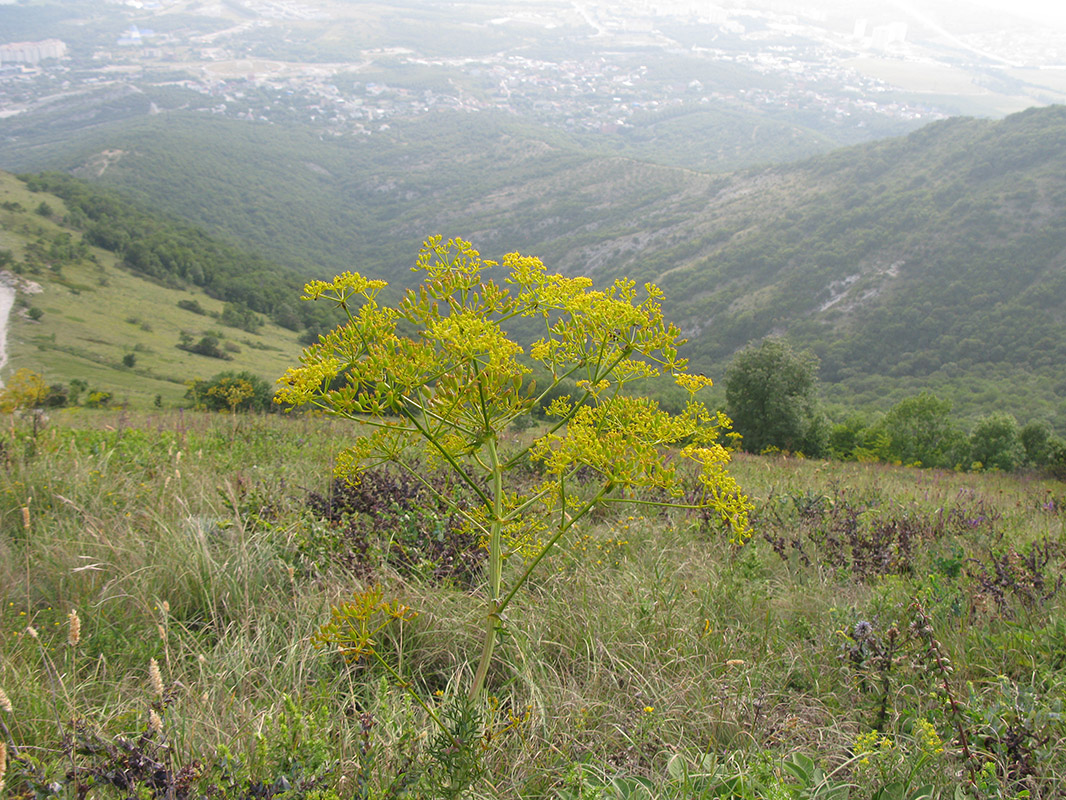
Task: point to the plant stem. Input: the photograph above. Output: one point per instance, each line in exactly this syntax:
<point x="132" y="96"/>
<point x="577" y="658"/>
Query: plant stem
<point x="492" y="619"/>
<point x="563" y="528"/>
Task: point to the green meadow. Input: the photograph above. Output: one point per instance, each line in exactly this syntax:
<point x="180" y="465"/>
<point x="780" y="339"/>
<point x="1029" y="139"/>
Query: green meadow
<point x="165" y="579"/>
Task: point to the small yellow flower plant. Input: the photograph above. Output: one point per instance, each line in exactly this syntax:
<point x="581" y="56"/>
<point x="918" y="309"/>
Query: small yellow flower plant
<point x="436" y="378"/>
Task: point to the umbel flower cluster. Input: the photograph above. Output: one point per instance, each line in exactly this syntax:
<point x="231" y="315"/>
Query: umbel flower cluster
<point x="437" y="379"/>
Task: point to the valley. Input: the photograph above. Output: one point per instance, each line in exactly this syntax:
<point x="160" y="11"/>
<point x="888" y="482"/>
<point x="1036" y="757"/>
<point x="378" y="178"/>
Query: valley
<point x="696" y="148"/>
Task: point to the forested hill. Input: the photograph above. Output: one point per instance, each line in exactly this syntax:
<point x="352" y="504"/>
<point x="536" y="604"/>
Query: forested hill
<point x="935" y="260"/>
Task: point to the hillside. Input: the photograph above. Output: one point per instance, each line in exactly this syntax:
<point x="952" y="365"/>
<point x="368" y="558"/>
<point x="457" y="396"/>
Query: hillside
<point x="80" y="313"/>
<point x="935" y="260"/>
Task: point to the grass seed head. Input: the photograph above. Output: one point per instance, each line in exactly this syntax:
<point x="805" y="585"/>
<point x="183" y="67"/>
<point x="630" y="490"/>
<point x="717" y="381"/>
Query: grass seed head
<point x="5" y="702"/>
<point x="155" y="678"/>
<point x="74" y="631"/>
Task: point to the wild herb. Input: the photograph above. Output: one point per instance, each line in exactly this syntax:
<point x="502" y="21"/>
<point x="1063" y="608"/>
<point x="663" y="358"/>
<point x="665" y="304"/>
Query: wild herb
<point x="437" y="380"/>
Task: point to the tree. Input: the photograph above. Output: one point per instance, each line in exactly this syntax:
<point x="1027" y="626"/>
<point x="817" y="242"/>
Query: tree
<point x="770" y="396"/>
<point x="994" y="442"/>
<point x="920" y="432"/>
<point x="57" y="396"/>
<point x="1036" y="438"/>
<point x="436" y="379"/>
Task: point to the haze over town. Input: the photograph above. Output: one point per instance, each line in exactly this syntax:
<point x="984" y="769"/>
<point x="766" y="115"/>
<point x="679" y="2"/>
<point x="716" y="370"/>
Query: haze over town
<point x="849" y="71"/>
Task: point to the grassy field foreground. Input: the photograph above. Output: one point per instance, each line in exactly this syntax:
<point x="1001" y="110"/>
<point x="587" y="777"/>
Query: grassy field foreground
<point x="887" y="632"/>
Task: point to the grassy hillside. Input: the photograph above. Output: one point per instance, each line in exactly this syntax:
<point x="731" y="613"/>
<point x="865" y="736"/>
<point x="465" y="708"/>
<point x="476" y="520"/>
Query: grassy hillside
<point x="646" y="654"/>
<point x="79" y="313"/>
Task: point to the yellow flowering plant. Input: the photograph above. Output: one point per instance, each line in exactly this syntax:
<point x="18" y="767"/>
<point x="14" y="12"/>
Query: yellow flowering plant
<point x="437" y="379"/>
<point x="900" y="765"/>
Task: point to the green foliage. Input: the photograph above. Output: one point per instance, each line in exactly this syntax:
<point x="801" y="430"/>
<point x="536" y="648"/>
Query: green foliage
<point x="920" y="431"/>
<point x="23" y="390"/>
<point x="855" y="440"/>
<point x="995" y="444"/>
<point x="193" y="306"/>
<point x="1038" y="440"/>
<point x="438" y="379"/>
<point x="207" y="345"/>
<point x="770" y="396"/>
<point x="236" y="315"/>
<point x="231" y="391"/>
<point x="97" y="398"/>
<point x="77" y="386"/>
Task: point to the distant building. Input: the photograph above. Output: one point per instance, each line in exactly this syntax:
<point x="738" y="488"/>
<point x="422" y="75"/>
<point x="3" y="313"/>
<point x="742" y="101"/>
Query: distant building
<point x="885" y="35"/>
<point x="31" y="52"/>
<point x="134" y="37"/>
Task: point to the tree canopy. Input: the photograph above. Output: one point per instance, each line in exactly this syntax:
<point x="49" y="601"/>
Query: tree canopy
<point x="770" y="395"/>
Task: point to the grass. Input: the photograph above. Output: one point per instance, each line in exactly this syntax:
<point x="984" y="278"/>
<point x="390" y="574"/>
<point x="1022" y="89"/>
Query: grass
<point x="647" y="659"/>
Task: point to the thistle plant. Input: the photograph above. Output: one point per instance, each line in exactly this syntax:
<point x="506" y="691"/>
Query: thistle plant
<point x="437" y="380"/>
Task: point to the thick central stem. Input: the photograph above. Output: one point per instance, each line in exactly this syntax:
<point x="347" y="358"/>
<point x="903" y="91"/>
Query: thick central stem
<point x="492" y="618"/>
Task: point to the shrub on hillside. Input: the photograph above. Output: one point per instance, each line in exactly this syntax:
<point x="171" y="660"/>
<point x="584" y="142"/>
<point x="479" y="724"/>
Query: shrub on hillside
<point x="193" y="306"/>
<point x="210" y="346"/>
<point x="231" y="391"/>
<point x="236" y="315"/>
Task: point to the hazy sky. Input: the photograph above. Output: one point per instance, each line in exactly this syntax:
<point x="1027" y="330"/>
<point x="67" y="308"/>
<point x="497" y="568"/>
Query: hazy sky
<point x="1052" y="12"/>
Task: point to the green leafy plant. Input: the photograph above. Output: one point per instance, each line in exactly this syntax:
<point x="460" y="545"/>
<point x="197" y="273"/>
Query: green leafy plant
<point x="810" y="782"/>
<point x="438" y="380"/>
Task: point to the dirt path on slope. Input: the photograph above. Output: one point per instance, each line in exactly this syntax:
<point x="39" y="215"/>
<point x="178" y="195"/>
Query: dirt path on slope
<point x="7" y="302"/>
